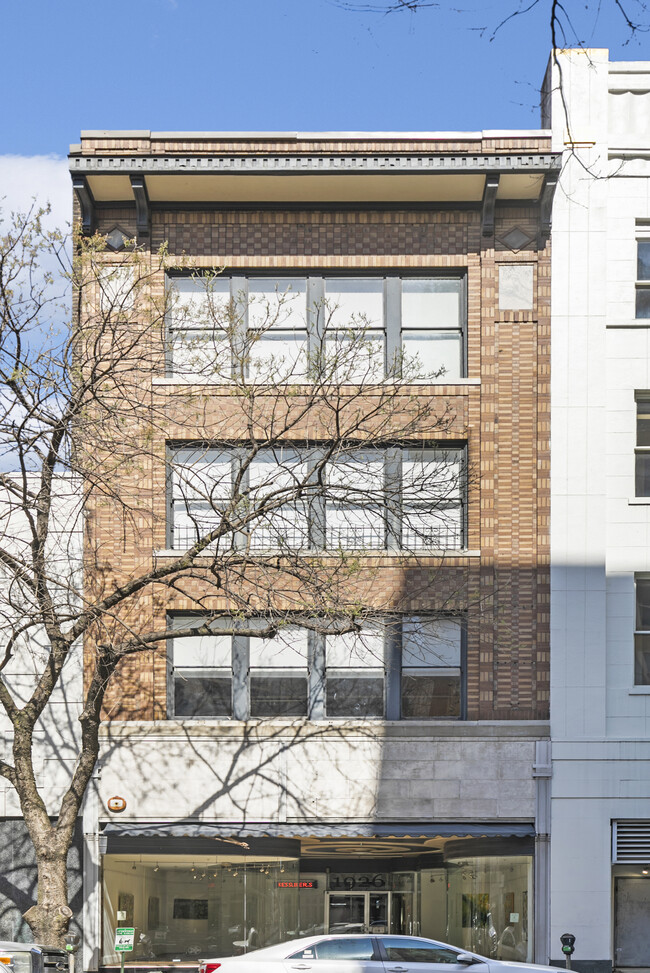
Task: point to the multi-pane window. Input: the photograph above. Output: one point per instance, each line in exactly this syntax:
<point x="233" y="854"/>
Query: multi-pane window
<point x="432" y="492"/>
<point x="347" y="329"/>
<point x="354" y="673"/>
<point x="277" y="499"/>
<point x="642" y="451"/>
<point x="299" y="498"/>
<point x="201" y="489"/>
<point x="643" y="276"/>
<point x="201" y="672"/>
<point x="431" y="668"/>
<point x="201" y="327"/>
<point x="278" y="674"/>
<point x="355" y="502"/>
<point x="393" y="668"/>
<point x="354" y="307"/>
<point x="277" y="328"/>
<point x="642" y="632"/>
<point x="432" y="335"/>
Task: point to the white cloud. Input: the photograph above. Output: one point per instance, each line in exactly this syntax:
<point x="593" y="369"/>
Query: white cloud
<point x="46" y="177"/>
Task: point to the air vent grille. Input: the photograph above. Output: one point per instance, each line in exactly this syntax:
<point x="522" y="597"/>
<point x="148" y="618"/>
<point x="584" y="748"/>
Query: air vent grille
<point x="631" y="842"/>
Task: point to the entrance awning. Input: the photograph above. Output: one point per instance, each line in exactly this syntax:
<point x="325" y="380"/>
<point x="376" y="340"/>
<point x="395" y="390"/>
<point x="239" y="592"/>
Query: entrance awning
<point x="222" y="830"/>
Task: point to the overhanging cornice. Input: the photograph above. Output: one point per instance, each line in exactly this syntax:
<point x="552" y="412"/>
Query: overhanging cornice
<point x="312" y="179"/>
<point x="280" y="164"/>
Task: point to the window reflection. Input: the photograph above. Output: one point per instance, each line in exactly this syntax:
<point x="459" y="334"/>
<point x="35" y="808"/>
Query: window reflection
<point x="184" y="909"/>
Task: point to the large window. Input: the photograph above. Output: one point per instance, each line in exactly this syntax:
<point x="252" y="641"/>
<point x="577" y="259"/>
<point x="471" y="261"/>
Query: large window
<point x="642" y="632"/>
<point x="275" y="329"/>
<point x="393" y="668"/>
<point x="643" y="275"/>
<point x="299" y="498"/>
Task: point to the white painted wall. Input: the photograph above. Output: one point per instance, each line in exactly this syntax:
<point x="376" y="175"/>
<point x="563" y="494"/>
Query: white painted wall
<point x="600" y="722"/>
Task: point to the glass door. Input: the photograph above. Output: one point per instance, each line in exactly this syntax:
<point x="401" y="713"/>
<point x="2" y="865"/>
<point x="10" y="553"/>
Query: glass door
<point x="401" y="914"/>
<point x="359" y="912"/>
<point x="346" y="913"/>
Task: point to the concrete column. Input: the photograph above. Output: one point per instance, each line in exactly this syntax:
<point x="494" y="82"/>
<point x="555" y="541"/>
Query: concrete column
<point x="542" y="775"/>
<point x="92" y="898"/>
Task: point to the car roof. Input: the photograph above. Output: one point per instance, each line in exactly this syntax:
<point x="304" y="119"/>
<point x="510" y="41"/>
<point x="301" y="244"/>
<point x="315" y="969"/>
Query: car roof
<point x="280" y="949"/>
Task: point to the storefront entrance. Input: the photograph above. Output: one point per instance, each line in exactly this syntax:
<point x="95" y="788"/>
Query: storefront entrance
<point x="206" y="896"/>
<point x="379" y="912"/>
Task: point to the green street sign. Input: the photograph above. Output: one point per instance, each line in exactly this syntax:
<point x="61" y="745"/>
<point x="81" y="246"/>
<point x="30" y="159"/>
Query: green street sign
<point x="124" y="939"/>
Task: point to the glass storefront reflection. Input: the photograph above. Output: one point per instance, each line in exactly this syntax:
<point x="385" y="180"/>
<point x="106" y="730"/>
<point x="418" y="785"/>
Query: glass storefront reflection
<point x="489" y="901"/>
<point x="184" y="908"/>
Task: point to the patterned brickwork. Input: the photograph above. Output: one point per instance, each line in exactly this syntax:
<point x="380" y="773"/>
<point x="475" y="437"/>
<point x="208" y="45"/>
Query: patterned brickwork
<point x="245" y="146"/>
<point x="505" y="415"/>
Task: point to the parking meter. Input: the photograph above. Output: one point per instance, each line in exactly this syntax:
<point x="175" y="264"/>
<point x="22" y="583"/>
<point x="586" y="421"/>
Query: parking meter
<point x="568" y="947"/>
<point x="72" y="941"/>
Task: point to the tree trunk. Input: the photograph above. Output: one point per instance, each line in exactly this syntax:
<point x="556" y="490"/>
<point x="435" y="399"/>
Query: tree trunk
<point x="49" y="918"/>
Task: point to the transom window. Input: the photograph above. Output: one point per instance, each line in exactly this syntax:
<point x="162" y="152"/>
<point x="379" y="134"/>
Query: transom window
<point x="393" y="668"/>
<point x="278" y="328"/>
<point x="398" y="498"/>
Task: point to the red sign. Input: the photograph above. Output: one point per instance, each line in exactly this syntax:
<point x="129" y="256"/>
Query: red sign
<point x="298" y="885"/>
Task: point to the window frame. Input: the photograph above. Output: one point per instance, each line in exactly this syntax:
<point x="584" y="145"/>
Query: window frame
<point x="642" y="284"/>
<point x="639" y="633"/>
<point x="394" y="518"/>
<point x="639" y="449"/>
<point x="316" y="290"/>
<point x="317" y="673"/>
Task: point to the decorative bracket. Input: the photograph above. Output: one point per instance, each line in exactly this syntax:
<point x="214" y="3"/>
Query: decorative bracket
<point x="142" y="206"/>
<point x="546" y="206"/>
<point x="82" y="189"/>
<point x="489" y="201"/>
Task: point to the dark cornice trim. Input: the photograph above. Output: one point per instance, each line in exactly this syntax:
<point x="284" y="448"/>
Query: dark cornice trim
<point x="546" y="206"/>
<point x="142" y="207"/>
<point x="489" y="203"/>
<point x="87" y="203"/>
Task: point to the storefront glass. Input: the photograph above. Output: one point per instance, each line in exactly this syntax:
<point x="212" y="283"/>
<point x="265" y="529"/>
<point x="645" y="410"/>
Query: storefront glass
<point x="185" y="907"/>
<point x="207" y="907"/>
<point x="488" y="906"/>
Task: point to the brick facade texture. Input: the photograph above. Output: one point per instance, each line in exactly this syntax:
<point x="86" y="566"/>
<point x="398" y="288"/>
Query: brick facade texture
<point x="503" y="410"/>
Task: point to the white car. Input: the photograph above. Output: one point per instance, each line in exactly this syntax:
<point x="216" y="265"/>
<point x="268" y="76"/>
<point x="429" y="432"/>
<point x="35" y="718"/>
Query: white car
<point x="362" y="954"/>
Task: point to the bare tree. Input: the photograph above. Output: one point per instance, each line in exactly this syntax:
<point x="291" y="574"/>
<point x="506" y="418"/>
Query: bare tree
<point x="270" y="509"/>
<point x="568" y="26"/>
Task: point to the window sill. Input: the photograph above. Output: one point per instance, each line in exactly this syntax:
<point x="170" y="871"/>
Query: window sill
<point x="430" y="552"/>
<point x="186" y="380"/>
<point x="639" y="691"/>
<point x="639" y="501"/>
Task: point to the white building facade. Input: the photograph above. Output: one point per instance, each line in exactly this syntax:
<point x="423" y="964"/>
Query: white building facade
<point x="600" y="512"/>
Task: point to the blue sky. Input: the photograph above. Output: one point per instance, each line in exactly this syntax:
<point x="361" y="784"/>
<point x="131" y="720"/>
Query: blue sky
<point x="272" y="65"/>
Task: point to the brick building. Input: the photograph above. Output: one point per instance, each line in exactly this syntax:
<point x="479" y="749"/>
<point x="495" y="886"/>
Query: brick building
<point x="246" y="821"/>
